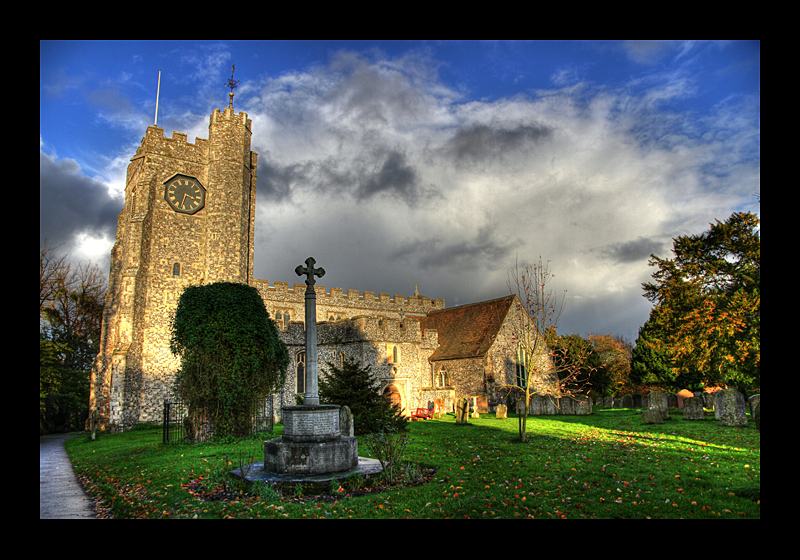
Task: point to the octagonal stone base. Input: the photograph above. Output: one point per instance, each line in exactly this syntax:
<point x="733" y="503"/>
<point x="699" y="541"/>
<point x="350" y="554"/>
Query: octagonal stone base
<point x="310" y="458"/>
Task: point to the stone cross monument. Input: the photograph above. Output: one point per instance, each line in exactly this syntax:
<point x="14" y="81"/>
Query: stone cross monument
<point x="312" y="443"/>
<point x="311" y="397"/>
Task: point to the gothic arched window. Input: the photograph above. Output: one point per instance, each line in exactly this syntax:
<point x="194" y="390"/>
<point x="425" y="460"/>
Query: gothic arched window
<point x="301" y="372"/>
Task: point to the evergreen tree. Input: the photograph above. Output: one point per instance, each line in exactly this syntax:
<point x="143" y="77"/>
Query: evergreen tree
<point x="706" y="323"/>
<point x="355" y="387"/>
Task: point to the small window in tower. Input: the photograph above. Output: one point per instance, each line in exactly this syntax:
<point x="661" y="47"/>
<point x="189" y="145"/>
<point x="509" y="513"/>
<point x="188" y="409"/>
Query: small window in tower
<point x="176" y="269"/>
<point x="392" y="354"/>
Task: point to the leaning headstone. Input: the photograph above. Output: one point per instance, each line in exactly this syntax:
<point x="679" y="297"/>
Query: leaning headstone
<point x="346" y="421"/>
<point x="753" y="402"/>
<point x="462" y="411"/>
<point x="693" y="408"/>
<point x="732" y="410"/>
<point x="502" y="411"/>
<point x="652" y="416"/>
<point x="656" y="400"/>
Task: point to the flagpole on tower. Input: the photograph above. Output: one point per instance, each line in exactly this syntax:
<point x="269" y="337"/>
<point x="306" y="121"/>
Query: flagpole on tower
<point x="158" y="92"/>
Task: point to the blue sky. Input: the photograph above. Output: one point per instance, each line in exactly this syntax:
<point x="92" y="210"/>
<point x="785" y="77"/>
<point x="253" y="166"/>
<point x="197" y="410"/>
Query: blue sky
<point x="432" y="163"/>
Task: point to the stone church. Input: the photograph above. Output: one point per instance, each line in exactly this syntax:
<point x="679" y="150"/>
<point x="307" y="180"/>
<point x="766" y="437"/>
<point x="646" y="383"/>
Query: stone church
<point x="188" y="219"/>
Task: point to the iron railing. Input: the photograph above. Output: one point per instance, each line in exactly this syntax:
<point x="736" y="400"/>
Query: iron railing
<point x="183" y="423"/>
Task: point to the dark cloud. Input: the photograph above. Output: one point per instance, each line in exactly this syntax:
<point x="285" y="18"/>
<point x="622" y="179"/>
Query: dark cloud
<point x="73" y="203"/>
<point x="480" y="142"/>
<point x="395" y="176"/>
<point x="486" y="250"/>
<point x="638" y="250"/>
<point x="387" y="172"/>
<point x="276" y="183"/>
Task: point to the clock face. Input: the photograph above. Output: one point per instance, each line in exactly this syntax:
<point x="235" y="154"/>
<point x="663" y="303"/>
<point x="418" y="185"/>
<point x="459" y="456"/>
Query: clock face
<point x="185" y="194"/>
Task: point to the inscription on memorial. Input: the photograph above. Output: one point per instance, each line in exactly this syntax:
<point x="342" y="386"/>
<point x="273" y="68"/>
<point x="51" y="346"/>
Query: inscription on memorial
<point x="311" y="424"/>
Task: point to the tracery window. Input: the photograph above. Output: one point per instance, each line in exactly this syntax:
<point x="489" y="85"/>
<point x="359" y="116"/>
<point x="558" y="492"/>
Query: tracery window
<point x="301" y="372"/>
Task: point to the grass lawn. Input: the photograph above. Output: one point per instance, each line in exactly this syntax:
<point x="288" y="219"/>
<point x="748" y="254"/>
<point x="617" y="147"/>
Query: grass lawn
<point x="607" y="465"/>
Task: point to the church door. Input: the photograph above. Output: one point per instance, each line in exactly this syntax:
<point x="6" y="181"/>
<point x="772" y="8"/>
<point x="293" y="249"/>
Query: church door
<point x="393" y="395"/>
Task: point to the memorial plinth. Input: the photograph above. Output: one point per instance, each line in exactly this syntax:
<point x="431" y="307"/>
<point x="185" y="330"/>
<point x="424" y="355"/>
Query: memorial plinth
<point x="312" y="443"/>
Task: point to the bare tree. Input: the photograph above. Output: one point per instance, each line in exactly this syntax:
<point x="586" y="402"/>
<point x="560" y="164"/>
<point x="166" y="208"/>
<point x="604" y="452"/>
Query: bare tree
<point x="70" y="305"/>
<point x="540" y="369"/>
<point x="52" y="272"/>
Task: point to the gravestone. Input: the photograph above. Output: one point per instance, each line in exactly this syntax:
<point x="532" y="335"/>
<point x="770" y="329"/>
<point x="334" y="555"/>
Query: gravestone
<point x="682" y="395"/>
<point x="346" y="421"/>
<point x="502" y="411"/>
<point x="732" y="408"/>
<point x="475" y="413"/>
<point x="652" y="416"/>
<point x="583" y="405"/>
<point x="693" y="408"/>
<point x="757" y="415"/>
<point x="637" y="400"/>
<point x="627" y="401"/>
<point x="462" y="411"/>
<point x="656" y="400"/>
<point x="753" y="403"/>
<point x="538" y="405"/>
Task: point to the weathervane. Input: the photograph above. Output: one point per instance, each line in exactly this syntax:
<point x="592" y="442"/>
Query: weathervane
<point x="232" y="84"/>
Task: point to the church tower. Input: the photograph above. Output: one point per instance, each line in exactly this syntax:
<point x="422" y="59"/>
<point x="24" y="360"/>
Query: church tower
<point x="188" y="219"/>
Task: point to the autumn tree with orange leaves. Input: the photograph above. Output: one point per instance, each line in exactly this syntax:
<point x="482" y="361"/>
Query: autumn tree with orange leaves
<point x="705" y="327"/>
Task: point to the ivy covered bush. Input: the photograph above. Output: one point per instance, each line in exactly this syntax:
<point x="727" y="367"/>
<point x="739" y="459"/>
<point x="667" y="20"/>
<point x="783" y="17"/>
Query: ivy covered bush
<point x="231" y="354"/>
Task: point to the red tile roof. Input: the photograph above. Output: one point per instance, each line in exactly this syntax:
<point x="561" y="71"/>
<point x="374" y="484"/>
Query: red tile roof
<point x="467" y="331"/>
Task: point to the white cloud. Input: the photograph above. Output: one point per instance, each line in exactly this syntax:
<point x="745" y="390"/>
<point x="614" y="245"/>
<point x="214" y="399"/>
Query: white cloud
<point x="360" y="160"/>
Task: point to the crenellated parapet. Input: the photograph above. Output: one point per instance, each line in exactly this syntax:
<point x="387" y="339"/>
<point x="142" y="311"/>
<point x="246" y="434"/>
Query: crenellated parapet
<point x="338" y="304"/>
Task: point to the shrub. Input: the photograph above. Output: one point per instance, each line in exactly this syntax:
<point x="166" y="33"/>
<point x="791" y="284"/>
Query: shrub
<point x="230" y="352"/>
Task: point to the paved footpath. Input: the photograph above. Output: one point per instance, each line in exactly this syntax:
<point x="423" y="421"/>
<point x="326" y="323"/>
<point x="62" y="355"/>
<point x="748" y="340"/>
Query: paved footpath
<point x="60" y="494"/>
